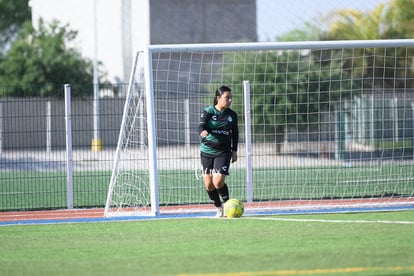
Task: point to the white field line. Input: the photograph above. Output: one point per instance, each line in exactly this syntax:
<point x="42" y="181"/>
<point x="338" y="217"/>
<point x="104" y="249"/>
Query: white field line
<point x="334" y="220"/>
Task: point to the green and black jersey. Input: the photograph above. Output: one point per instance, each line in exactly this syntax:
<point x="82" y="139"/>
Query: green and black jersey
<point x="222" y="128"/>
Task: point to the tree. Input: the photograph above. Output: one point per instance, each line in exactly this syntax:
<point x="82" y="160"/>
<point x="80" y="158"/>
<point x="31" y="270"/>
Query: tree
<point x="399" y="19"/>
<point x="39" y="62"/>
<point x="354" y="24"/>
<point x="310" y="31"/>
<point x="383" y="22"/>
<point x="395" y="20"/>
<point x="13" y="15"/>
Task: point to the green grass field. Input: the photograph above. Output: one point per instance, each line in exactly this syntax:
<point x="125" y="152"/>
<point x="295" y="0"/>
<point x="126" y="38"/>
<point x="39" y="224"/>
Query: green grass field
<point x="325" y="244"/>
<point x="47" y="189"/>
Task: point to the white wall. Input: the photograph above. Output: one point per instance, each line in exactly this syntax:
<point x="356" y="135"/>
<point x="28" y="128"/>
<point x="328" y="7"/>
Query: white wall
<point x="79" y="14"/>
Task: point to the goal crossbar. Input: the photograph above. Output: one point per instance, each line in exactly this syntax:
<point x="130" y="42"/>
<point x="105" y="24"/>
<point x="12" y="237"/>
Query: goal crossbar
<point x="296" y="45"/>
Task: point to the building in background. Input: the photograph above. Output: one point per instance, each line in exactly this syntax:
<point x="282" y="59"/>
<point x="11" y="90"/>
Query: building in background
<point x="200" y="21"/>
<point x="123" y="27"/>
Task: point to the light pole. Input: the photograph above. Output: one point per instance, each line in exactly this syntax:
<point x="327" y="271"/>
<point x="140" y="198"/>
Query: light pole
<point x="96" y="140"/>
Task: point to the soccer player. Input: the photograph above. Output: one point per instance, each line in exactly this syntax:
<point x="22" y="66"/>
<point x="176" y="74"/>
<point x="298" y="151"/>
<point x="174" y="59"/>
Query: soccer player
<point x="219" y="134"/>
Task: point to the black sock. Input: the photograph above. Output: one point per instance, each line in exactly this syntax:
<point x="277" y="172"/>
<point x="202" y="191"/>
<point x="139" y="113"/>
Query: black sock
<point x="224" y="192"/>
<point x="215" y="197"/>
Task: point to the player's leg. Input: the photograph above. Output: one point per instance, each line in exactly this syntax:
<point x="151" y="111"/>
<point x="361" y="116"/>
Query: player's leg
<point x="220" y="185"/>
<point x="211" y="190"/>
<point x="207" y="164"/>
<point x="220" y="171"/>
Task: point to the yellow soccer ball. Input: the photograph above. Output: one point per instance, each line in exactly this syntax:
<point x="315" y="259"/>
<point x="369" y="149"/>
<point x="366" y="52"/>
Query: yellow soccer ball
<point x="233" y="208"/>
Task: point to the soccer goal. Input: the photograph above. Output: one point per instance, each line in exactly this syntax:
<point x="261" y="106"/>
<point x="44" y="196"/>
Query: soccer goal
<point x="324" y="125"/>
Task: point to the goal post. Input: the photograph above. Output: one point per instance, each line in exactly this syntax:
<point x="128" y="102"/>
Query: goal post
<point x="326" y="124"/>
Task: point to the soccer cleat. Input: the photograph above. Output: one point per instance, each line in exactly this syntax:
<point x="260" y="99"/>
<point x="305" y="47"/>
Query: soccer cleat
<point x="220" y="212"/>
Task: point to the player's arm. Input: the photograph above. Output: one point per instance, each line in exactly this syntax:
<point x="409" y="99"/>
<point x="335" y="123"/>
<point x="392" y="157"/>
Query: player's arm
<point x="235" y="140"/>
<point x="235" y="135"/>
<point x="202" y="126"/>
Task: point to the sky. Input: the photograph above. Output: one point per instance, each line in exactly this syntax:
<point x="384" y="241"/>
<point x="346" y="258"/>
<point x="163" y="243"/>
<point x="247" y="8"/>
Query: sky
<point x="276" y="17"/>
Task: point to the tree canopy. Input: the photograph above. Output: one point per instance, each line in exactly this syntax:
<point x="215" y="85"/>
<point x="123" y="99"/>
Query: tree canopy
<point x="394" y="20"/>
<point x="391" y="20"/>
<point x="39" y="62"/>
<point x="399" y="19"/>
<point x="13" y="15"/>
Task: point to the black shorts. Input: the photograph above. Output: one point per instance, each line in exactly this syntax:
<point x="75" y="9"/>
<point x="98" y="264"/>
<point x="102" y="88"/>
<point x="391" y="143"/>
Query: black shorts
<point x="214" y="164"/>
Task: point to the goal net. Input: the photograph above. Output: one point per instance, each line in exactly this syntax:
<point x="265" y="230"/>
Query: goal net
<point x="323" y="126"/>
